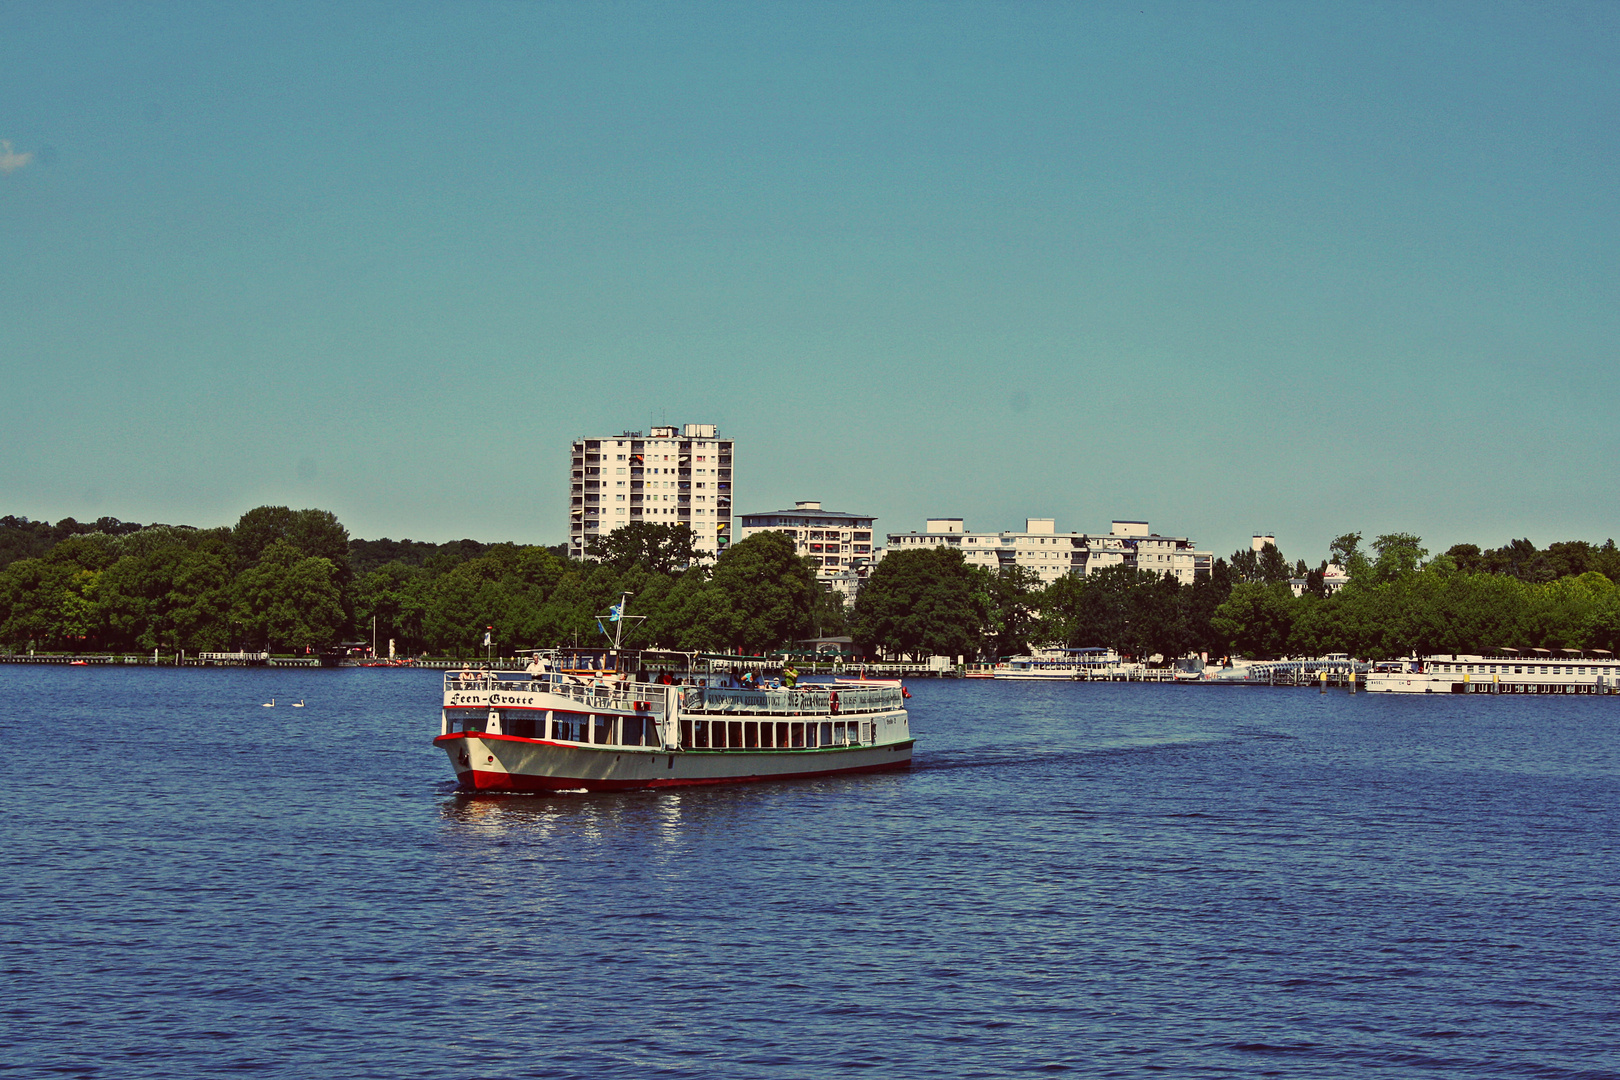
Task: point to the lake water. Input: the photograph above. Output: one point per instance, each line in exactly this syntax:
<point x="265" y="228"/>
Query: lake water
<point x="1113" y="879"/>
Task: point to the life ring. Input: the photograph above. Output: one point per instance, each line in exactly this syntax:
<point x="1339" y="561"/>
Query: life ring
<point x="833" y="703"/>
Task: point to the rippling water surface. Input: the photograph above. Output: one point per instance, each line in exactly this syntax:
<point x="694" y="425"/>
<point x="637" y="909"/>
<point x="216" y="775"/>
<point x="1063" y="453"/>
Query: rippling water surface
<point x="1118" y="880"/>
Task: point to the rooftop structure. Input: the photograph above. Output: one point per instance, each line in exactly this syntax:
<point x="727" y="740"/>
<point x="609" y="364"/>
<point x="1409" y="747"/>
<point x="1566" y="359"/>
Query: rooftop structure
<point x="1052" y="555"/>
<point x="669" y="476"/>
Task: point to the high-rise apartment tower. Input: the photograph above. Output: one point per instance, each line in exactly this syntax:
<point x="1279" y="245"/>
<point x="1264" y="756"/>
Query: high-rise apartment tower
<point x="669" y="476"/>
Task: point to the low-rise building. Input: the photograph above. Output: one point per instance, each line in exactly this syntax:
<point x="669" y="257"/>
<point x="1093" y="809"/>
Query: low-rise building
<point x="1051" y="554"/>
<point x="839" y="544"/>
<point x="1334" y="578"/>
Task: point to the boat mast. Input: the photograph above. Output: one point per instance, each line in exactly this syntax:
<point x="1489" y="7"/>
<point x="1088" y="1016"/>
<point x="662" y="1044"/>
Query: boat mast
<point x="618" y="618"/>
<point x="618" y="623"/>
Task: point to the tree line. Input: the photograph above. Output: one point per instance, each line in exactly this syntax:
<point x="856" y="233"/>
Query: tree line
<point x="290" y="580"/>
<point x="1397" y="601"/>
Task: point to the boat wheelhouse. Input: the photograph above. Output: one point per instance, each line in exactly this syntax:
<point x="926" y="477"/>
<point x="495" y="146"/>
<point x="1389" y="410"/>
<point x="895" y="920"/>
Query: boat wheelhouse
<point x="605" y="720"/>
<point x="1507" y="671"/>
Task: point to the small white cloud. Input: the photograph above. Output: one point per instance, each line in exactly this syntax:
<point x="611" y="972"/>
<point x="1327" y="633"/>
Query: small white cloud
<point x="10" y="160"/>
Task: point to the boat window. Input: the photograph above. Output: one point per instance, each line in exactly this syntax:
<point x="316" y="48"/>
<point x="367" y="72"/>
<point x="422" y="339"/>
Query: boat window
<point x="796" y="734"/>
<point x="718" y="734"/>
<point x="700" y="734"/>
<point x="521" y="725"/>
<point x="826" y="733"/>
<point x="751" y="734"/>
<point x="736" y="734"/>
<point x="782" y="740"/>
<point x="686" y="734"/>
<point x="565" y="729"/>
<point x="473" y="723"/>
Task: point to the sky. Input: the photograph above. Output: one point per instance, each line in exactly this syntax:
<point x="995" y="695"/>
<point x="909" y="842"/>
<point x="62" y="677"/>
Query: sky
<point x="1292" y="268"/>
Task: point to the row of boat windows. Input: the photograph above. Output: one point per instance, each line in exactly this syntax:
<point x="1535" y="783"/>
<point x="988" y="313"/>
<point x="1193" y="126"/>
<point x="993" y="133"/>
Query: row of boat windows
<point x="695" y="734"/>
<point x="1522" y="669"/>
<point x="765" y="735"/>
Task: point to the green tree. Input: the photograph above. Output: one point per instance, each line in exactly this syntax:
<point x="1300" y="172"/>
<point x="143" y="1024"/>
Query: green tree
<point x="311" y="533"/>
<point x="768" y="592"/>
<point x="1398" y="554"/>
<point x="925" y="602"/>
<point x="1273" y="568"/>
<point x="1014" y="594"/>
<point x="1256" y="620"/>
<point x="661" y="548"/>
<point x="289" y="601"/>
<point x="1345" y="552"/>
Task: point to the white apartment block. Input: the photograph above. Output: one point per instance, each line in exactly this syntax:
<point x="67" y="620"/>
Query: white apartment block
<point x="670" y="476"/>
<point x="1051" y="554"/>
<point x="839" y="544"/>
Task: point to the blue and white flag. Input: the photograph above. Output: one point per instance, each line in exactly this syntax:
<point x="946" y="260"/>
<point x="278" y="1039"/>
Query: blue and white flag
<point x="615" y="612"/>
<point x="602" y="628"/>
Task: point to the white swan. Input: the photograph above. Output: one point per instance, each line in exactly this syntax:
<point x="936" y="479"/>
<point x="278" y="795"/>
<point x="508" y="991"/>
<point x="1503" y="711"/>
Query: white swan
<point x="299" y="704"/>
<point x="268" y="704"/>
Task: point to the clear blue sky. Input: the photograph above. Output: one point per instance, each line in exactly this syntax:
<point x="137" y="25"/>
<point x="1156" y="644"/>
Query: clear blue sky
<point x="1228" y="267"/>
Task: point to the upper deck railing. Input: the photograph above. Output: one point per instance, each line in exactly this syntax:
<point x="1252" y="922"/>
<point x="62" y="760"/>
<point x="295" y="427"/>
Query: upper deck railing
<point x="799" y="701"/>
<point x="589" y="694"/>
<point x="605" y="694"/>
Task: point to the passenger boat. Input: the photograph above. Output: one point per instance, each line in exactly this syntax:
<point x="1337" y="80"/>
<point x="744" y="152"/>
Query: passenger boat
<point x="602" y="729"/>
<point x="1057" y="664"/>
<point x="1507" y="671"/>
<point x="611" y="720"/>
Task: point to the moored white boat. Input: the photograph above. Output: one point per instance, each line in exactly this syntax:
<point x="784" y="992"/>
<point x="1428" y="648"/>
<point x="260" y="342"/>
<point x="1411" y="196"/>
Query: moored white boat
<point x="1505" y="672"/>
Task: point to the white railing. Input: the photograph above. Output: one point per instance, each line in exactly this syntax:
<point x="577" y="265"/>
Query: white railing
<point x="595" y="694"/>
<point x="802" y="701"/>
<point x="590" y="694"/>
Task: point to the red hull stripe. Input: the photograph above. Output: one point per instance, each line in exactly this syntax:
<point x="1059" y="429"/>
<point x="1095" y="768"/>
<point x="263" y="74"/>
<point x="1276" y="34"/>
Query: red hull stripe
<point x="515" y="782"/>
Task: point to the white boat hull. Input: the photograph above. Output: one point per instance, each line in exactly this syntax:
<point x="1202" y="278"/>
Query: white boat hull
<point x="486" y="762"/>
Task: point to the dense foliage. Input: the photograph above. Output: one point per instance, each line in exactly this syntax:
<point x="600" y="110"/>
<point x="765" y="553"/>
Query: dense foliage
<point x="293" y="579"/>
